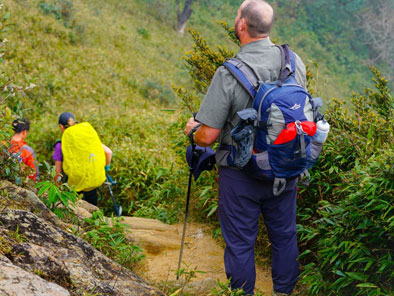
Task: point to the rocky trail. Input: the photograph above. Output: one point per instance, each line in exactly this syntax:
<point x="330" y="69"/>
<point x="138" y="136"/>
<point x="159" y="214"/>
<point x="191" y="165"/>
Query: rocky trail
<point x="201" y="252"/>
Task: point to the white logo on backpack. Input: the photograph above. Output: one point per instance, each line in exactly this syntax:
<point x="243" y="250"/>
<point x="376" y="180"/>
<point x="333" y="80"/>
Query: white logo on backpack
<point x="92" y="157"/>
<point x="295" y="107"/>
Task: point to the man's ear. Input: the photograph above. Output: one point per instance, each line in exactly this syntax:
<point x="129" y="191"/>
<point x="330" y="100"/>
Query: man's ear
<point x="243" y="26"/>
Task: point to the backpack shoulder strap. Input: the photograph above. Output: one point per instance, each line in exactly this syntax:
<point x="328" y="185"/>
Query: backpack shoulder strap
<point x="292" y="62"/>
<point x="244" y="75"/>
<point x="288" y="63"/>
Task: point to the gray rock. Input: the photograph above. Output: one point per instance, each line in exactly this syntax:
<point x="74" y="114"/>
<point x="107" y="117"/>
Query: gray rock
<point x="83" y="210"/>
<point x="86" y="206"/>
<point x="25" y="199"/>
<point x="68" y="260"/>
<point x="4" y="259"/>
<point x="14" y="281"/>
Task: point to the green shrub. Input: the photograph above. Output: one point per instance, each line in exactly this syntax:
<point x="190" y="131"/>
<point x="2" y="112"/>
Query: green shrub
<point x="50" y="8"/>
<point x="146" y="187"/>
<point x="60" y="9"/>
<point x="59" y="199"/>
<point x="143" y="32"/>
<point x="347" y="236"/>
<point x="108" y="236"/>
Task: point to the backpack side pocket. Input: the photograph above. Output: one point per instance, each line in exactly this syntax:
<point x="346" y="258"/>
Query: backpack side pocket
<point x="259" y="167"/>
<point x="315" y="150"/>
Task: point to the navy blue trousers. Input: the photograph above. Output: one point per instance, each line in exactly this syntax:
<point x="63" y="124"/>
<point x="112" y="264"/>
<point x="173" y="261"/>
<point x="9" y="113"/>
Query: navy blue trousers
<point x="241" y="201"/>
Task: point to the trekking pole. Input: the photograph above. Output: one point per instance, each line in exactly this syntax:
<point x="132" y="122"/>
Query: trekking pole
<point x="109" y="182"/>
<point x="191" y="167"/>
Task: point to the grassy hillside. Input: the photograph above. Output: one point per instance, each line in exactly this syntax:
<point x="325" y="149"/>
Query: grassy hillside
<point x="95" y="61"/>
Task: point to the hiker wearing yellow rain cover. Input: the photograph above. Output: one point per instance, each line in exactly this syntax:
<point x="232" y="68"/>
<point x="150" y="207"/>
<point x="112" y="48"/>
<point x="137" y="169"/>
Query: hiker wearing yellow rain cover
<point x="81" y="156"/>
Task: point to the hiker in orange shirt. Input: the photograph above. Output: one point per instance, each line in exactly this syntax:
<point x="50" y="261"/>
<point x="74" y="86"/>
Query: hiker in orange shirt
<point x="18" y="145"/>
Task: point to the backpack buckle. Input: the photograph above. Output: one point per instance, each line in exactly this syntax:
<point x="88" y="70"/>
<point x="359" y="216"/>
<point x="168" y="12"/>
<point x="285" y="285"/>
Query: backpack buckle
<point x="302" y="134"/>
<point x="279" y="186"/>
<point x="304" y="178"/>
<point x="299" y="129"/>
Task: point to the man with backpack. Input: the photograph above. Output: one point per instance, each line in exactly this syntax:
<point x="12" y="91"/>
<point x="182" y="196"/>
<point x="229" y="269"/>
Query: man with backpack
<point x="242" y="198"/>
<point x="19" y="147"/>
<point x="81" y="156"/>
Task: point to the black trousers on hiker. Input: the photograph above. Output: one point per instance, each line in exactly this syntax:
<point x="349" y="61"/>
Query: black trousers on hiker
<point x="90" y="196"/>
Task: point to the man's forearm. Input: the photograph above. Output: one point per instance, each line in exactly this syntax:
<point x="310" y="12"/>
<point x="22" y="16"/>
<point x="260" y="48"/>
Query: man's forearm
<point x="58" y="171"/>
<point x="58" y="167"/>
<point x="204" y="135"/>
<point x="108" y="155"/>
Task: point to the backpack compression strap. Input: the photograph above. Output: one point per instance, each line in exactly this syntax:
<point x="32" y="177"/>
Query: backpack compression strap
<point x="244" y="75"/>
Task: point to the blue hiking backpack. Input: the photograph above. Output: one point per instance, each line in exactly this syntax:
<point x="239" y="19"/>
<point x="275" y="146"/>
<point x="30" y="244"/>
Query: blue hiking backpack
<point x="274" y="138"/>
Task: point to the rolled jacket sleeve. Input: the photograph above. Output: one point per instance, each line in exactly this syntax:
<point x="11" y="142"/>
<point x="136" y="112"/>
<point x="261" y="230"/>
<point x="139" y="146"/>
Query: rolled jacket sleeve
<point x="216" y="106"/>
<point x="57" y="153"/>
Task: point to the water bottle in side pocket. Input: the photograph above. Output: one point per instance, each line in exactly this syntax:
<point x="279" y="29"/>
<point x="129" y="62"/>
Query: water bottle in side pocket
<point x="322" y="129"/>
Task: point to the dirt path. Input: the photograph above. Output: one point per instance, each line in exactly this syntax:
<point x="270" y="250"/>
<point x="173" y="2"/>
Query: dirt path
<point x="201" y="252"/>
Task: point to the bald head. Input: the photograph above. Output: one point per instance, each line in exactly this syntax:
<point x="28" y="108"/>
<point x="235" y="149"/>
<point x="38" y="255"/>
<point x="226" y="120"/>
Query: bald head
<point x="259" y="17"/>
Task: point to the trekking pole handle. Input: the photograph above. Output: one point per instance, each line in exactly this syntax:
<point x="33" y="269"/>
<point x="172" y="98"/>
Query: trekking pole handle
<point x="110" y="179"/>
<point x="192" y="131"/>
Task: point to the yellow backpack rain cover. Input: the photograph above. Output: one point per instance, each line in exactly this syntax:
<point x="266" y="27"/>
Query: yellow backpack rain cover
<point x="83" y="157"/>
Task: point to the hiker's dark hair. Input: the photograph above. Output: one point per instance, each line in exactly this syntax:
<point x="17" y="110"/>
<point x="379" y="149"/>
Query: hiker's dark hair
<point x="67" y="119"/>
<point x="257" y="24"/>
<point x="70" y="122"/>
<point x="20" y="125"/>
